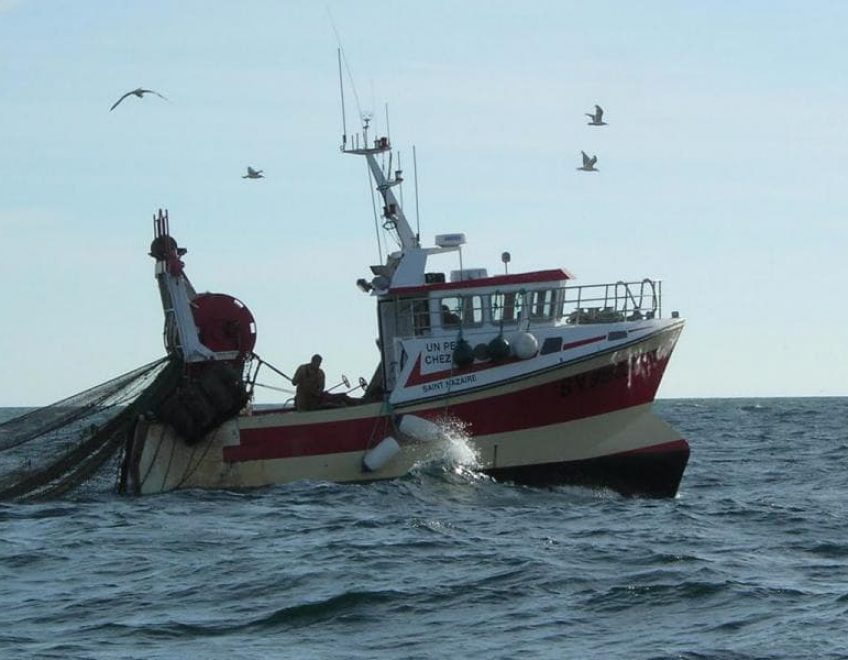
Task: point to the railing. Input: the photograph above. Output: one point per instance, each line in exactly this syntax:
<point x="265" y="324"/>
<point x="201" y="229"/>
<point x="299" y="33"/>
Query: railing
<point x="606" y="303"/>
<point x="483" y="312"/>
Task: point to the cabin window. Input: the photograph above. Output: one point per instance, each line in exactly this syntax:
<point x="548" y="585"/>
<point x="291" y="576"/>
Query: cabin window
<point x="506" y="307"/>
<point x="542" y="304"/>
<point x="421" y="316"/>
<point x="461" y="310"/>
<point x="472" y="310"/>
<point x="451" y="311"/>
<point x="412" y="317"/>
<point x="404" y="318"/>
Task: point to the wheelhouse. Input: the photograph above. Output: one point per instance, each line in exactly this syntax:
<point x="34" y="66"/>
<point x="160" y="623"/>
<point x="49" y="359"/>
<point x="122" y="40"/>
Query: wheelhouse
<point x="477" y="308"/>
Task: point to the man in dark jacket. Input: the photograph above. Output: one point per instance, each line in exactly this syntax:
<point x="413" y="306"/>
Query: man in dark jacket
<point x="309" y="380"/>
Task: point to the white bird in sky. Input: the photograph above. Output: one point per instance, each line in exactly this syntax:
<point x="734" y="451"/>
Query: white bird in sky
<point x="140" y="92"/>
<point x="588" y="163"/>
<point x="253" y="174"/>
<point x="597" y="118"/>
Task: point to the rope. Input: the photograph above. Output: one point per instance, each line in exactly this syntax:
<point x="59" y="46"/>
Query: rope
<point x="386" y="413"/>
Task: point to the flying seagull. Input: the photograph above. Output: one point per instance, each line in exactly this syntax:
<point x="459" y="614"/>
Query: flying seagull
<point x="139" y="93"/>
<point x="597" y="118"/>
<point x="588" y="163"/>
<point x="253" y="174"/>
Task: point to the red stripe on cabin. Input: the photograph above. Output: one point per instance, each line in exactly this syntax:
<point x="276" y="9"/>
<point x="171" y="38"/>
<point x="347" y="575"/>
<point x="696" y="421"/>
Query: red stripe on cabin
<point x="417" y="378"/>
<point x="583" y="342"/>
<point x="552" y="276"/>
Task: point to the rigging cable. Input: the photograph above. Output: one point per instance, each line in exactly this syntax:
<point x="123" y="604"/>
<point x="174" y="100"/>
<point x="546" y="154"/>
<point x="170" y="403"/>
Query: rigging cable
<point x="347" y="66"/>
<point x="376" y="221"/>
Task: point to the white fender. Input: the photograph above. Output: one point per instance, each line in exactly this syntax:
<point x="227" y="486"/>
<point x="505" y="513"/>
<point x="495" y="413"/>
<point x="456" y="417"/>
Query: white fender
<point x="378" y="456"/>
<point x="525" y="345"/>
<point x="419" y="428"/>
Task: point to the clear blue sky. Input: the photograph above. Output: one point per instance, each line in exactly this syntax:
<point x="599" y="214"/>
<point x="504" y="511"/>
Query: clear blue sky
<point x="722" y="172"/>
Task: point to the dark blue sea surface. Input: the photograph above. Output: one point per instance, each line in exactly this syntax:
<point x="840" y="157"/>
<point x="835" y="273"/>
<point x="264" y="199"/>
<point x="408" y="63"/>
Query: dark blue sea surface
<point x="749" y="561"/>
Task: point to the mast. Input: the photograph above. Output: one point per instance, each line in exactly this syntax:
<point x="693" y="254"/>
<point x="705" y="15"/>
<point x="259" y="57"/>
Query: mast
<point x="341" y="92"/>
<point x="392" y="210"/>
<point x="406" y="267"/>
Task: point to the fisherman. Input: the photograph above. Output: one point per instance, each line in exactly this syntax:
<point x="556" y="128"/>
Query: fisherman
<point x="448" y="317"/>
<point x="309" y="380"/>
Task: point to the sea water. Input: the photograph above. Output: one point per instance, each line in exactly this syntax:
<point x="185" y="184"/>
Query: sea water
<point x="749" y="561"/>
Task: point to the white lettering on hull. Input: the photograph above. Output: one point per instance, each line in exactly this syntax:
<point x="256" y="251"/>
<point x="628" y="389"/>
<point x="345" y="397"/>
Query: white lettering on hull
<point x="445" y="385"/>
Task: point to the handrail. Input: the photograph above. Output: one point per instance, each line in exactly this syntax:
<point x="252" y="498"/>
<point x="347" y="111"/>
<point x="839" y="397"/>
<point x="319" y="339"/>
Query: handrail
<point x="572" y="304"/>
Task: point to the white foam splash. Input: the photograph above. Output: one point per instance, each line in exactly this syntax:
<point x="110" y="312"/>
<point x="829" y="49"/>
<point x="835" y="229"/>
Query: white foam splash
<point x="454" y="446"/>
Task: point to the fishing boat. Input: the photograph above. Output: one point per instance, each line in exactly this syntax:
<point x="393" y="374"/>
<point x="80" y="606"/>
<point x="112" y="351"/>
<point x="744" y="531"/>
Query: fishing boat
<point x="550" y="382"/>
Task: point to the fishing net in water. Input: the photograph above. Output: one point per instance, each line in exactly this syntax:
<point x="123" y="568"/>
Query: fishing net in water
<point x="78" y="442"/>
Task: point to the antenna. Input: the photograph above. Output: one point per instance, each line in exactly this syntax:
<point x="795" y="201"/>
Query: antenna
<point x="388" y="132"/>
<point x="373" y="110"/>
<point x="347" y="66"/>
<point x="341" y="92"/>
<point x="415" y="170"/>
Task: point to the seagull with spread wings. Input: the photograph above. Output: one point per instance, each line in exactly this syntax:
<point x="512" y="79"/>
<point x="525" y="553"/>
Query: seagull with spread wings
<point x="588" y="163"/>
<point x="597" y="117"/>
<point x="140" y="92"/>
<point x="253" y="174"/>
